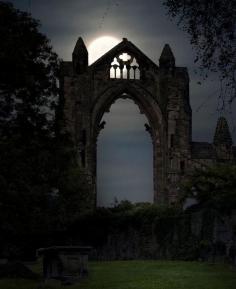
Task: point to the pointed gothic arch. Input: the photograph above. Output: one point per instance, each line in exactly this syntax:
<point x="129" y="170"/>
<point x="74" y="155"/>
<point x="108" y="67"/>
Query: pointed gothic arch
<point x="152" y="111"/>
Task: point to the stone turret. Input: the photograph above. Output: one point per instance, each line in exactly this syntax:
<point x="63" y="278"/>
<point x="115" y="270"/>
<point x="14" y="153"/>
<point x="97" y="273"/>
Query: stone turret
<point x="167" y="59"/>
<point x="222" y="134"/>
<point x="80" y="57"/>
<point x="223" y="140"/>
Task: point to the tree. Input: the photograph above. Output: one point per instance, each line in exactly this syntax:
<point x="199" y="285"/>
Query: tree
<point x="211" y="25"/>
<point x="28" y="74"/>
<point x="214" y="187"/>
<point x="39" y="180"/>
<point x="28" y="98"/>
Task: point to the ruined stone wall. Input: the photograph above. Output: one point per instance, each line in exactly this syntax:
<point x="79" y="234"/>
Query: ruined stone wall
<point x="162" y="94"/>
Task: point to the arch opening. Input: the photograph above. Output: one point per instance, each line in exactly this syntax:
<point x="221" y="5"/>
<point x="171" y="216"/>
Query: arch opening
<point x="124" y="155"/>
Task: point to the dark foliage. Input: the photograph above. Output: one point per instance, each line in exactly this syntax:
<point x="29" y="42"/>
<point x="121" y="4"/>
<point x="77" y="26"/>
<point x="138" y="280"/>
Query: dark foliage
<point x="211" y="25"/>
<point x="28" y="75"/>
<point x="214" y="188"/>
<point x="16" y="270"/>
<point x="39" y="185"/>
<point x="146" y="231"/>
<point x="142" y="219"/>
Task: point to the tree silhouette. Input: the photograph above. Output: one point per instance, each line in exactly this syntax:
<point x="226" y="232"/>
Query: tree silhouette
<point x="28" y="73"/>
<point x="28" y="96"/>
<point x="211" y="25"/>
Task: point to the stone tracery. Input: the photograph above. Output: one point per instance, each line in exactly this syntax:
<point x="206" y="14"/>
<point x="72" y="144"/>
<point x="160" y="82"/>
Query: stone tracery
<point x="125" y="66"/>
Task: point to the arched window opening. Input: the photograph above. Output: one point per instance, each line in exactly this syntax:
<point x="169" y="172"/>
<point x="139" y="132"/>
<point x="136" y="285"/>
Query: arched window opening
<point x="137" y="73"/>
<point x="125" y="72"/>
<point x="112" y="72"/>
<point x="124" y="156"/>
<point x="131" y="73"/>
<point x="118" y="72"/>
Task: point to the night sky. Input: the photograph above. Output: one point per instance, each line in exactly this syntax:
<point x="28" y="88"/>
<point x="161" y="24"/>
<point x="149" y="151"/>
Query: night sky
<point x="124" y="147"/>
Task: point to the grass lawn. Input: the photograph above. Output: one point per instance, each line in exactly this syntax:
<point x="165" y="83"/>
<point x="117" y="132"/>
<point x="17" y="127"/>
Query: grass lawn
<point x="146" y="275"/>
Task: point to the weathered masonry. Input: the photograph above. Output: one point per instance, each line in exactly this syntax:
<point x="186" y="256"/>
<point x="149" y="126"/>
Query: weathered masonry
<point x="162" y="94"/>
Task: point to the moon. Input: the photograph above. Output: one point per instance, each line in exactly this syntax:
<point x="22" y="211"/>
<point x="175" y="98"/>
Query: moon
<point x="100" y="46"/>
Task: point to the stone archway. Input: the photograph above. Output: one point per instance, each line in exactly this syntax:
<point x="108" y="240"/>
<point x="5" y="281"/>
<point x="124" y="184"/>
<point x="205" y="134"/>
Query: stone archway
<point x="161" y="92"/>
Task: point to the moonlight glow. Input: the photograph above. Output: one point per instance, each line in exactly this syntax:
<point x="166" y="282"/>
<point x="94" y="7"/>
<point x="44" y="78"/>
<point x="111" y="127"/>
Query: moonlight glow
<point x="101" y="45"/>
